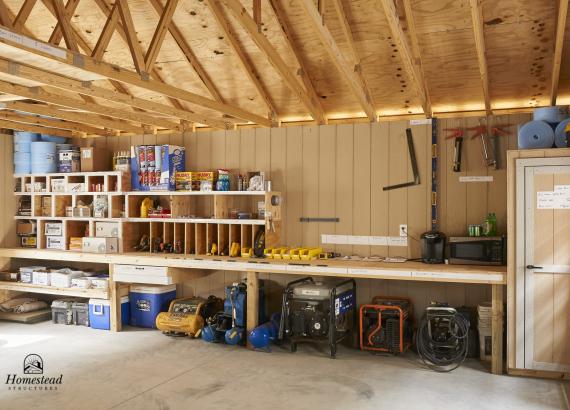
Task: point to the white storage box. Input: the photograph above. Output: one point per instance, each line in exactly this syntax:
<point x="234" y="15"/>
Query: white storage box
<point x="27" y="273"/>
<point x="107" y="229"/>
<point x="141" y="270"/>
<point x="54" y="228"/>
<point x="148" y="279"/>
<point x="63" y="279"/>
<point x="83" y="282"/>
<point x="41" y="278"/>
<point x="58" y="185"/>
<point x="100" y="245"/>
<point x="100" y="282"/>
<point x="55" y="242"/>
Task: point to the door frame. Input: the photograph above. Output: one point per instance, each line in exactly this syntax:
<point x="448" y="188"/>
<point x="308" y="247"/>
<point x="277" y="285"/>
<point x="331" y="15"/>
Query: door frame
<point x="526" y="168"/>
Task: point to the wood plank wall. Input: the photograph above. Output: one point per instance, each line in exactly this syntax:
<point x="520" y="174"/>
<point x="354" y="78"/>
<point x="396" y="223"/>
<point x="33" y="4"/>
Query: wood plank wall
<point x="339" y="171"/>
<point x="8" y="202"/>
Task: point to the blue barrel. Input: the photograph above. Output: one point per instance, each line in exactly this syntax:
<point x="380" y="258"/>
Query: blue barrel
<point x="560" y="133"/>
<point x="22" y="163"/>
<point x="550" y="114"/>
<point x="22" y="140"/>
<point x="43" y="157"/>
<point x="53" y="138"/>
<point x="536" y="134"/>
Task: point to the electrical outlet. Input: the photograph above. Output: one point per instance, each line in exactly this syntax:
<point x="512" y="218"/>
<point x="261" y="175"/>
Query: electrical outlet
<point x="403" y="230"/>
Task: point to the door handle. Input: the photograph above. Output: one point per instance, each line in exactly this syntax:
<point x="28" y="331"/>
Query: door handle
<point x="533" y="267"/>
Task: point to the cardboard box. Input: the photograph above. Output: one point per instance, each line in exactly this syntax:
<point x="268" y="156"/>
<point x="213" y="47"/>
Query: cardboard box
<point x="55" y="242"/>
<point x="46" y="206"/>
<point x="100" y="245"/>
<point x="107" y="229"/>
<point x="54" y="228"/>
<point x="183" y="181"/>
<point x="94" y="159"/>
<point x="29" y="242"/>
<point x="202" y="178"/>
<point x="9" y="276"/>
<point x="26" y="228"/>
<point x="58" y="185"/>
<point x="154" y="167"/>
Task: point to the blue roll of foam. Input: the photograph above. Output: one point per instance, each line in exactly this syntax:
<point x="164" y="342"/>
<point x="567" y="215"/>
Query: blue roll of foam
<point x="21" y="136"/>
<point x="53" y="138"/>
<point x="536" y="134"/>
<point x="22" y="146"/>
<point x="550" y="114"/>
<point x="22" y="162"/>
<point x="560" y="134"/>
<point x="43" y="157"/>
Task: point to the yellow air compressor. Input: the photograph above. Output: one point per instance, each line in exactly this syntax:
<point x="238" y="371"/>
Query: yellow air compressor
<point x="186" y="316"/>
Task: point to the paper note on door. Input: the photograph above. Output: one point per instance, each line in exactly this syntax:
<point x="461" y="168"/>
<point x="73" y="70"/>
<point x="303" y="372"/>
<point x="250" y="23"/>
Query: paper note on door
<point x="545" y="200"/>
<point x="558" y="199"/>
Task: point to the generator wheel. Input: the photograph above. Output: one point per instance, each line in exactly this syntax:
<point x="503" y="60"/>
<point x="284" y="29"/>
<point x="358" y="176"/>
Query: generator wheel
<point x="293" y="347"/>
<point x="333" y="353"/>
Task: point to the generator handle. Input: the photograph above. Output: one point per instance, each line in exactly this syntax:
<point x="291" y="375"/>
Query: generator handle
<point x="305" y="279"/>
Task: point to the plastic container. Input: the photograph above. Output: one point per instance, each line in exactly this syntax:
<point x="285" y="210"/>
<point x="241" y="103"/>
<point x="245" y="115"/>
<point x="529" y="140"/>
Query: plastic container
<point x="100" y="314"/>
<point x="43" y="157"/>
<point x="53" y="138"/>
<point x="147" y="302"/>
<point x="80" y="311"/>
<point x="22" y="163"/>
<point x="61" y="311"/>
<point x="125" y="310"/>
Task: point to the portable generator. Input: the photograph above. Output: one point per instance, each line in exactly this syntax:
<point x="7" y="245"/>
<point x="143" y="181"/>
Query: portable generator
<point x="442" y="338"/>
<point x="318" y="311"/>
<point x="186" y="316"/>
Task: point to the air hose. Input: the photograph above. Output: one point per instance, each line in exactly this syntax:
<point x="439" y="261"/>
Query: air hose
<point x="441" y="338"/>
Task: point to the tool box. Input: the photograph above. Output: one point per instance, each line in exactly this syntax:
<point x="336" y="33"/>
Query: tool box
<point x="148" y="301"/>
<point x="62" y="312"/>
<point x="80" y="312"/>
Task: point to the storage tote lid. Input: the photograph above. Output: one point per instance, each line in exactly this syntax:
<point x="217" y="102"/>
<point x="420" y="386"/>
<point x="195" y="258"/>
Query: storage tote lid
<point x="153" y="289"/>
<point x="124" y="299"/>
<point x="104" y="302"/>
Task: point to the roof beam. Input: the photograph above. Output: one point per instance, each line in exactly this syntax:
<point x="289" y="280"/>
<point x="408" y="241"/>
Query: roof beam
<point x="188" y="53"/>
<point x="38" y="94"/>
<point x="257" y="13"/>
<point x="132" y="41"/>
<point x="244" y="61"/>
<point x="24" y="13"/>
<point x="81" y="117"/>
<point x="100" y="70"/>
<point x="275" y="59"/>
<point x="558" y="47"/>
<point x="417" y="57"/>
<point x="477" y="20"/>
<point x="88" y="89"/>
<point x="405" y="52"/>
<point x="338" y="59"/>
<point x="302" y="72"/>
<point x="63" y="15"/>
<point x="53" y="123"/>
<point x="159" y="34"/>
<point x="106" y="33"/>
<point x="6" y="17"/>
<point x="34" y="128"/>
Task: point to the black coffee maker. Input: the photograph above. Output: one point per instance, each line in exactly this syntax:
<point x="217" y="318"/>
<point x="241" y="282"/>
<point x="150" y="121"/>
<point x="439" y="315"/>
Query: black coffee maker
<point x="433" y="247"/>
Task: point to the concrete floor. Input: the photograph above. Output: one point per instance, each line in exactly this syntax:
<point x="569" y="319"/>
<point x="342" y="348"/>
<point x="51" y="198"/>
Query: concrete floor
<point x="143" y="369"/>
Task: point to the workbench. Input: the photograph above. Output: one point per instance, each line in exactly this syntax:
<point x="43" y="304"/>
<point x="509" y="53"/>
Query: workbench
<point x="495" y="276"/>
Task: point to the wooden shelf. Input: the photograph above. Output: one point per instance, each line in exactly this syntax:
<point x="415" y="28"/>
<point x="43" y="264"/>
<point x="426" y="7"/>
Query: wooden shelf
<point x="68" y="193"/>
<point x="198" y="193"/>
<point x="52" y="290"/>
<point x="199" y="221"/>
<point x="69" y="218"/>
<point x="69" y="174"/>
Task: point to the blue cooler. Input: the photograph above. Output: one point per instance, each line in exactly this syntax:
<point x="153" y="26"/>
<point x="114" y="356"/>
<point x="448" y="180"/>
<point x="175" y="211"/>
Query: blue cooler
<point x="147" y="301"/>
<point x="100" y="314"/>
<point x="125" y="310"/>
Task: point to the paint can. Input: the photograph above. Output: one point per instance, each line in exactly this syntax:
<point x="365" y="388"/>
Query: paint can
<point x="69" y="160"/>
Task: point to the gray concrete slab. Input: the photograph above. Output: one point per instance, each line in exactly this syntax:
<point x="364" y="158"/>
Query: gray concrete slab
<point x="144" y="369"/>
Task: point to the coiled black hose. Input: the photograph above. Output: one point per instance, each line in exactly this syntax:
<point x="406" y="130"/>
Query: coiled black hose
<point x="444" y="346"/>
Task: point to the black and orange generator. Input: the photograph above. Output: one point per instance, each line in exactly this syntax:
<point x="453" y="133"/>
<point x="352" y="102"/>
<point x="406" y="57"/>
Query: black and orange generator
<point x="386" y="325"/>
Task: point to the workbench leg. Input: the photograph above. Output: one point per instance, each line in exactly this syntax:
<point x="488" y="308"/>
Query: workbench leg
<point x="497" y="330"/>
<point x="114" y="302"/>
<point x="252" y="302"/>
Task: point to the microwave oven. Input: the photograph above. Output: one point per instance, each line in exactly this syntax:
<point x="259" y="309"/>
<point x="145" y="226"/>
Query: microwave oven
<point x="478" y="250"/>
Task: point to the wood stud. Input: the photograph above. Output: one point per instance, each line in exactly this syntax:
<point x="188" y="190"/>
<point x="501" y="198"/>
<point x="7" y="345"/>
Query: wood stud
<point x="477" y="20"/>
<point x="558" y="47"/>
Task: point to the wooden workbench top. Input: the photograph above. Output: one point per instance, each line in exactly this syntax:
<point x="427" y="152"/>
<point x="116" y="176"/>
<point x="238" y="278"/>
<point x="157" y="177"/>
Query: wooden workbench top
<point x="415" y="271"/>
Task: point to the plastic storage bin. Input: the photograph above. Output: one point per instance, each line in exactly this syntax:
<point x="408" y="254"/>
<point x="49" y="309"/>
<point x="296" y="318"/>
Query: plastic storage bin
<point x="80" y="312"/>
<point x="61" y="311"/>
<point x="148" y="301"/>
<point x="125" y="310"/>
<point x="100" y="314"/>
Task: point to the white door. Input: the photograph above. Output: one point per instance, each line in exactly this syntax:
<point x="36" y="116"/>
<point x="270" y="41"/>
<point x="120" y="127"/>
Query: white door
<point x="543" y="264"/>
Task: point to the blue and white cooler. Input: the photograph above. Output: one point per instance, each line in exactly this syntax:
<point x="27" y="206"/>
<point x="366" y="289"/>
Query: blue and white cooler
<point x="147" y="301"/>
<point x="100" y="314"/>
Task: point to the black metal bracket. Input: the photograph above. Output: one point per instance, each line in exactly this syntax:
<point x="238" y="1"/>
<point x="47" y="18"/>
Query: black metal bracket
<point x="306" y="219"/>
<point x="414" y="162"/>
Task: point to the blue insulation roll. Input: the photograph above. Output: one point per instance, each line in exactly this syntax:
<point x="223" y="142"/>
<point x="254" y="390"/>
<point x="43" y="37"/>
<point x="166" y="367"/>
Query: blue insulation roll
<point x="43" y="157"/>
<point x="560" y="134"/>
<point x="53" y="138"/>
<point x="536" y="134"/>
<point x="21" y="136"/>
<point x="22" y="163"/>
<point x="550" y="114"/>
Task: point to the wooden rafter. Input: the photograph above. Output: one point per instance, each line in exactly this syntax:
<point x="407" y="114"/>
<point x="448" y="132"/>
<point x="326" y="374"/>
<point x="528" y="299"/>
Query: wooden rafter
<point x="102" y="69"/>
<point x="82" y="117"/>
<point x="322" y="7"/>
<point x="50" y="97"/>
<point x="50" y="122"/>
<point x="23" y="14"/>
<point x="63" y="15"/>
<point x="338" y="59"/>
<point x="558" y="46"/>
<point x="34" y="128"/>
<point x="132" y="40"/>
<point x="6" y="17"/>
<point x="276" y="60"/>
<point x="88" y="89"/>
<point x="406" y="54"/>
<point x="345" y="26"/>
<point x="106" y="33"/>
<point x="257" y="13"/>
<point x="188" y="53"/>
<point x="302" y="72"/>
<point x="159" y="34"/>
<point x="477" y="20"/>
<point x="243" y="60"/>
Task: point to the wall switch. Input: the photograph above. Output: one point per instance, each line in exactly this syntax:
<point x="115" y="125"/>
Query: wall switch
<point x="403" y="230"/>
